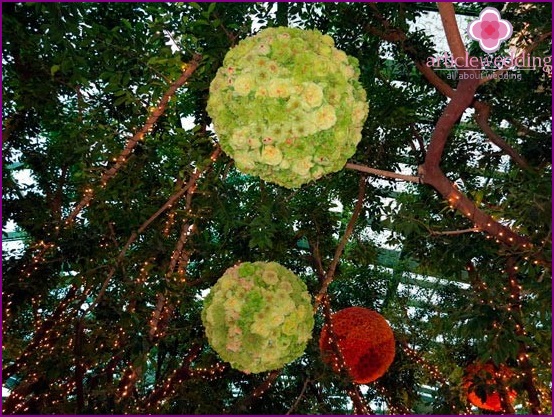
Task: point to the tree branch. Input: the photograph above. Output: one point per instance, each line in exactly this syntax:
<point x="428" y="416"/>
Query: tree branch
<point x="246" y="402"/>
<point x="137" y="137"/>
<point x="79" y="366"/>
<point x="451" y="30"/>
<point x="40" y="335"/>
<point x="461" y="100"/>
<point x="433" y="175"/>
<point x="481" y="220"/>
<point x="453" y="232"/>
<point x="360" y="405"/>
<point x="523" y="356"/>
<point x="316" y="256"/>
<point x="190" y="185"/>
<point x="342" y="244"/>
<point x="163" y="309"/>
<point x="156" y="314"/>
<point x="176" y="196"/>
<point x="302" y="391"/>
<point x="433" y="78"/>
<point x="481" y="117"/>
<point x="420" y="141"/>
<point x="184" y="372"/>
<point x="448" y="91"/>
<point x="382" y="173"/>
<point x="478" y="285"/>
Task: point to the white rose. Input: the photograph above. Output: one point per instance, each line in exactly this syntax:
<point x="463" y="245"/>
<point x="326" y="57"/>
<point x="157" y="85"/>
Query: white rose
<point x="271" y="155"/>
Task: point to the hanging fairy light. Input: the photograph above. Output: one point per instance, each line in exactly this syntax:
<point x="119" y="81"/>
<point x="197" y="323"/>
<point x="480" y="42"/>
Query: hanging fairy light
<point x="365" y="340"/>
<point x="287" y="106"/>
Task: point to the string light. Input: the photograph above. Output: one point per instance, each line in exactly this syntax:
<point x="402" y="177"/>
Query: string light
<point x="338" y="362"/>
<point x="178" y="376"/>
<point x="169" y="223"/>
<point x="130" y="378"/>
<point x="430" y="369"/>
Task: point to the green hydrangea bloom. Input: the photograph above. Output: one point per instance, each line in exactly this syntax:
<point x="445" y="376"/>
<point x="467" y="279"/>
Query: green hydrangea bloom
<point x="287" y="105"/>
<point x="258" y="316"/>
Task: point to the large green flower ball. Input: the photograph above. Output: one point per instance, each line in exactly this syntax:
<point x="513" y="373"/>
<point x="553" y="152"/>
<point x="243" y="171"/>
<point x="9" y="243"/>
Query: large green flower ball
<point x="287" y="106"/>
<point x="258" y="316"/>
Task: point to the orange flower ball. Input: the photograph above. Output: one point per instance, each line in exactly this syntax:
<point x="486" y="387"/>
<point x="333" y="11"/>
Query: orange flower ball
<point x="485" y="372"/>
<point x="365" y="340"/>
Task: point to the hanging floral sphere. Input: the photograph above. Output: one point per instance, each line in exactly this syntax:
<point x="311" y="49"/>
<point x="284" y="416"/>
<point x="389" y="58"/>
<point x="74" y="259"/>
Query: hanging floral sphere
<point x="258" y="316"/>
<point x="366" y="342"/>
<point x="287" y="105"/>
<point x="478" y="377"/>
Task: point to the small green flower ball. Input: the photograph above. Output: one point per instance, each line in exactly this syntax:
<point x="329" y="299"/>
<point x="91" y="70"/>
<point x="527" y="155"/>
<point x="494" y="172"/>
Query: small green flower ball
<point x="287" y="106"/>
<point x="258" y="316"/>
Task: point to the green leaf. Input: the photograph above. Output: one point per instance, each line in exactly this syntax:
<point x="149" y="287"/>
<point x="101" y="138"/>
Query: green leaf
<point x="54" y="69"/>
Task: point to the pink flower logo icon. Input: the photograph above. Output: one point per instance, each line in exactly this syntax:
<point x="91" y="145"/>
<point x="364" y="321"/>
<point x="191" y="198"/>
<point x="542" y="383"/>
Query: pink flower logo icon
<point x="490" y="30"/>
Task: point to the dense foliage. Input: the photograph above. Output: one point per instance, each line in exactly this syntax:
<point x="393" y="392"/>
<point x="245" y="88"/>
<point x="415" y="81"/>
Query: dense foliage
<point x="129" y="212"/>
